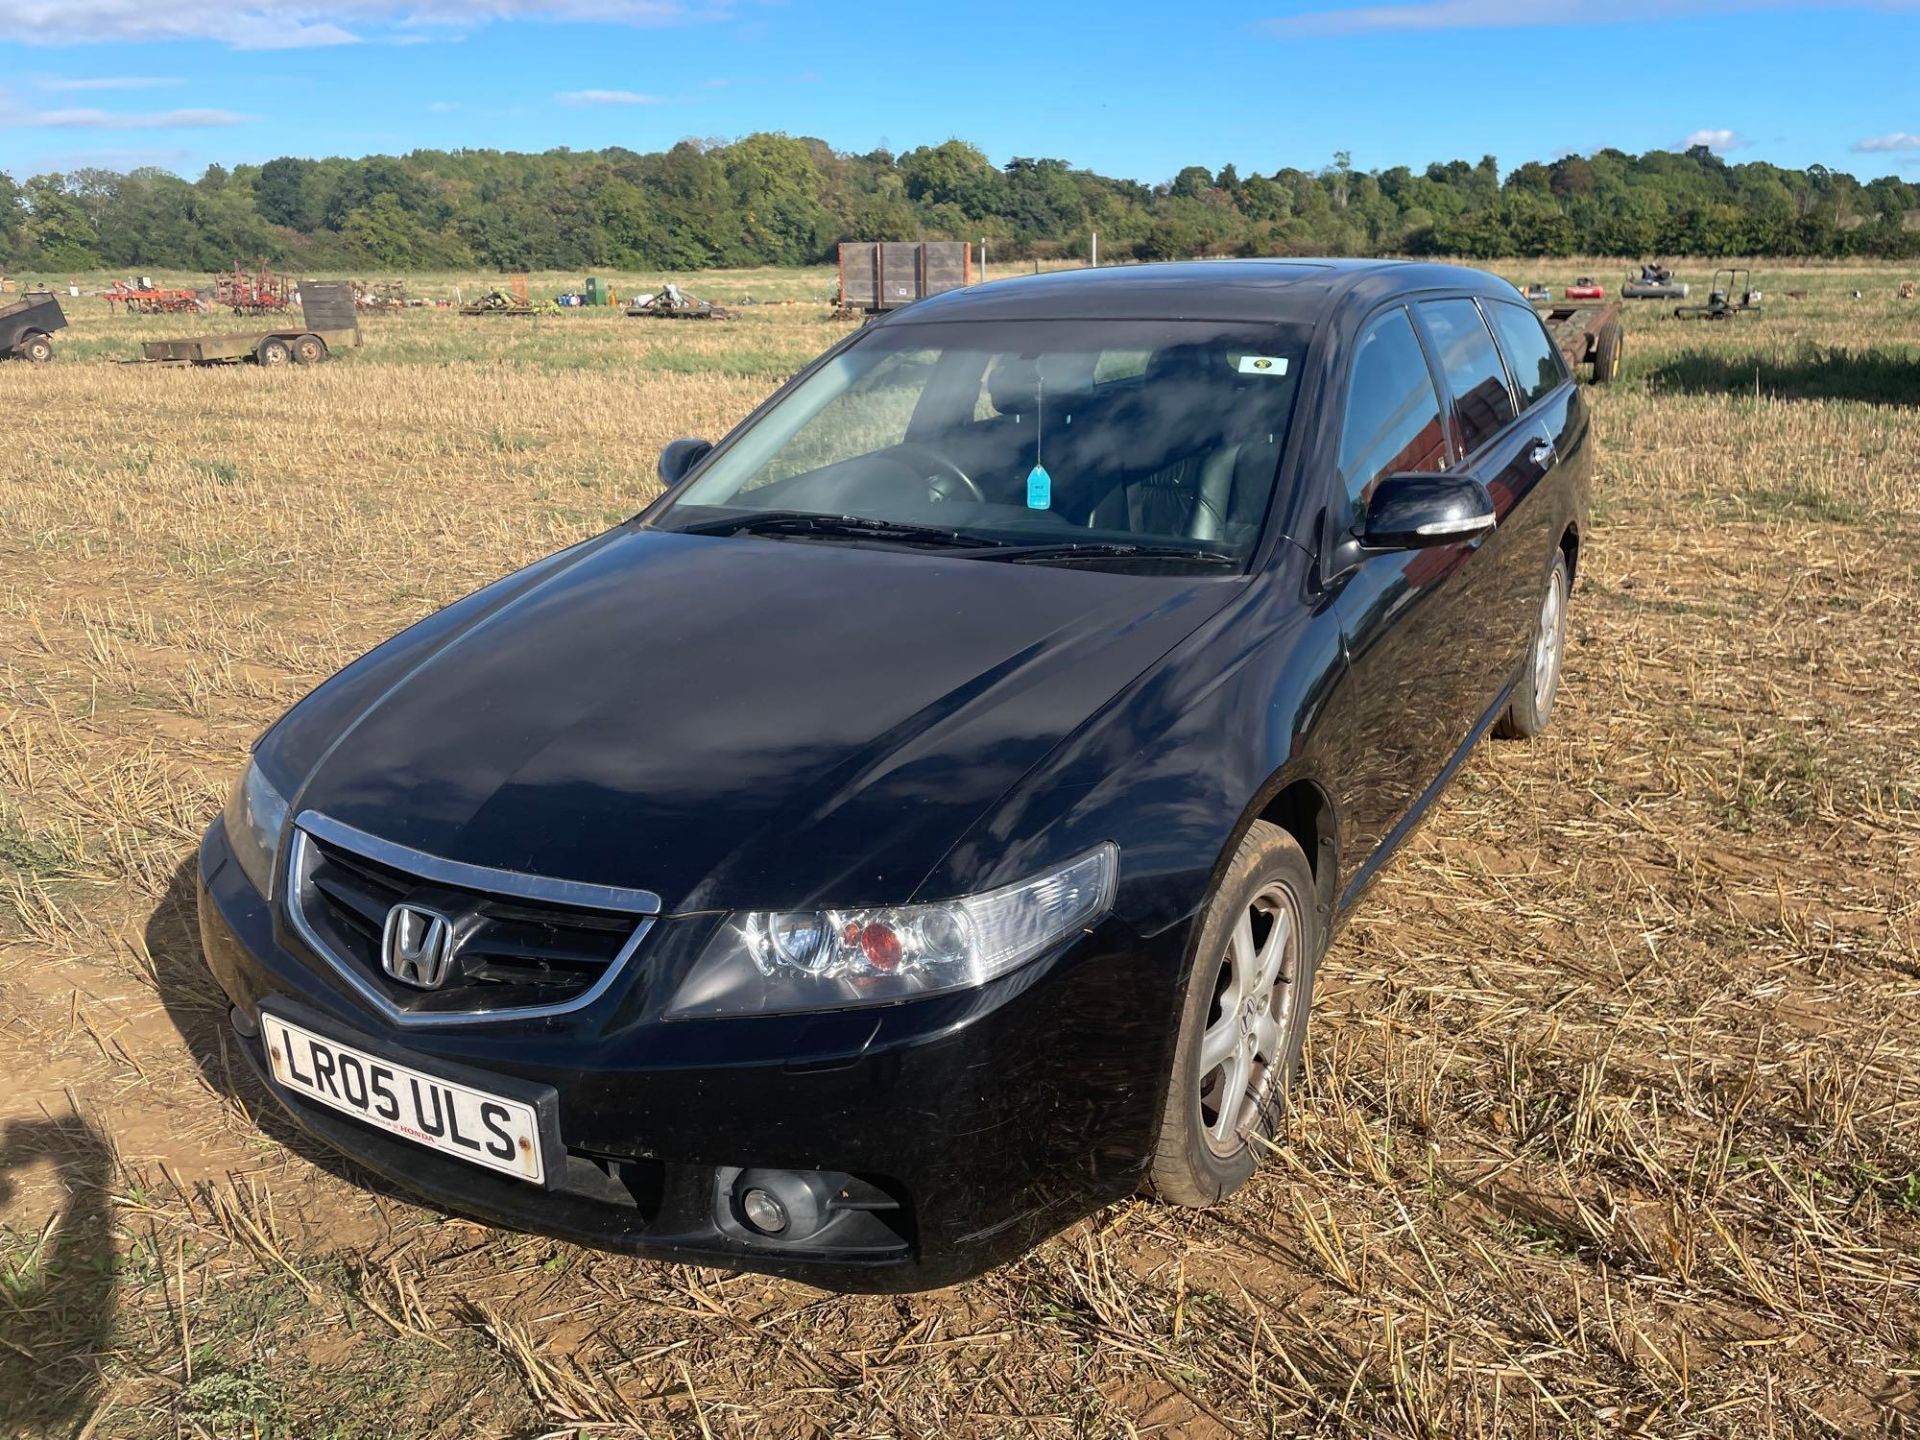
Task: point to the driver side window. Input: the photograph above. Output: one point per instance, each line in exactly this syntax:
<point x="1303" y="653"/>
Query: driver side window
<point x="870" y="414"/>
<point x="1393" y="422"/>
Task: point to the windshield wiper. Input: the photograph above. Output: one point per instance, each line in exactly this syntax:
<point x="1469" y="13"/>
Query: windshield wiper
<point x="1111" y="550"/>
<point x="807" y="522"/>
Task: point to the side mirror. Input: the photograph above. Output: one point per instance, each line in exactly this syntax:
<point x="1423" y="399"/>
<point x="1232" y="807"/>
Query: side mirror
<point x="1407" y="512"/>
<point x="680" y="456"/>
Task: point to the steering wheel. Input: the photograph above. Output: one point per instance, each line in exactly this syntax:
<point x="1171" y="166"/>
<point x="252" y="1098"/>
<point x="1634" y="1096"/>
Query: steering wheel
<point x="946" y="478"/>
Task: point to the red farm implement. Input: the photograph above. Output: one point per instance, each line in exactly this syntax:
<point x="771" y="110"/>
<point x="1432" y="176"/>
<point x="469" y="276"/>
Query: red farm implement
<point x="143" y="297"/>
<point x="255" y="292"/>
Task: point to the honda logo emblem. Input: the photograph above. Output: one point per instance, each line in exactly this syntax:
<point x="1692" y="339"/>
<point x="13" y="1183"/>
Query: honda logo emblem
<point x="417" y="946"/>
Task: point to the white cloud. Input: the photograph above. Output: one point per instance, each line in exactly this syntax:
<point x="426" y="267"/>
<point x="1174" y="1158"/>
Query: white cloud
<point x="1513" y="14"/>
<point x="1879" y="144"/>
<point x="294" y="24"/>
<point x="109" y="82"/>
<point x="109" y="120"/>
<point x="1718" y="141"/>
<point x="606" y="97"/>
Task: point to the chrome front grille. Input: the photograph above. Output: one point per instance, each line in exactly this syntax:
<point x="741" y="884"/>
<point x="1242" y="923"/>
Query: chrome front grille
<point x="521" y="946"/>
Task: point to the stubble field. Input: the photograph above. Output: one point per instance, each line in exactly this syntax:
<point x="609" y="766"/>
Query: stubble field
<point x="1612" y="1119"/>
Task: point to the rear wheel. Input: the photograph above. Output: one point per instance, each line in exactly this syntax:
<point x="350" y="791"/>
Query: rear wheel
<point x="273" y="351"/>
<point x="1607" y="347"/>
<point x="1243" y="1023"/>
<point x="309" y="350"/>
<point x="37" y="347"/>
<point x="1532" y="705"/>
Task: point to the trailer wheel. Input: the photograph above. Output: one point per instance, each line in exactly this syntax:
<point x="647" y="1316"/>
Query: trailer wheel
<point x="1607" y="346"/>
<point x="309" y="350"/>
<point x="273" y="351"/>
<point x="37" y="347"/>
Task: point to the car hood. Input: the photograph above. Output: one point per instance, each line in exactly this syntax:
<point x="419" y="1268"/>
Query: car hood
<point x="733" y="721"/>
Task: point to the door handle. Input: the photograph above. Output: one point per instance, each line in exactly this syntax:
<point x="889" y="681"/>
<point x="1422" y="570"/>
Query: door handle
<point x="1542" y="454"/>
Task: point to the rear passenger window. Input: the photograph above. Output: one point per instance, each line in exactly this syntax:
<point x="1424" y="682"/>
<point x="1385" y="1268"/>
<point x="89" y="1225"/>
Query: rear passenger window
<point x="1393" y="412"/>
<point x="1482" y="403"/>
<point x="1532" y="359"/>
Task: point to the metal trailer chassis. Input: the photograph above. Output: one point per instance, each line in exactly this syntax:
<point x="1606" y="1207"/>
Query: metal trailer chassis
<point x="296" y="346"/>
<point x="1587" y="335"/>
<point x="332" y="322"/>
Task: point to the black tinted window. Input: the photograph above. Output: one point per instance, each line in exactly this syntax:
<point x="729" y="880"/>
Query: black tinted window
<point x="1393" y="412"/>
<point x="1532" y="359"/>
<point x="1481" y="401"/>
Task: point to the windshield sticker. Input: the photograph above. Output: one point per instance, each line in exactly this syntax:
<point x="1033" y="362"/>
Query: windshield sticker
<point x="1263" y="364"/>
<point x="1039" y="489"/>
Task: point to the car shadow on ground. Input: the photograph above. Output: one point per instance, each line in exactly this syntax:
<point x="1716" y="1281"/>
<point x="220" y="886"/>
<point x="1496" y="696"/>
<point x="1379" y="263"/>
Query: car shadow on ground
<point x="1814" y="372"/>
<point x="56" y="1284"/>
<point x="198" y="1009"/>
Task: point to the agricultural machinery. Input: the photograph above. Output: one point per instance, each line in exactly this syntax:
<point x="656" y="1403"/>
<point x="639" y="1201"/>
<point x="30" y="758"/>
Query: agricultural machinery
<point x="258" y="292"/>
<point x="673" y="303"/>
<point x="511" y="301"/>
<point x="143" y="297"/>
<point x="1732" y="294"/>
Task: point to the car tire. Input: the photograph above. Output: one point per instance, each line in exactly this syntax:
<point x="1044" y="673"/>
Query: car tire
<point x="309" y="350"/>
<point x="1531" y="708"/>
<point x="1206" y="1151"/>
<point x="273" y="351"/>
<point x="37" y="348"/>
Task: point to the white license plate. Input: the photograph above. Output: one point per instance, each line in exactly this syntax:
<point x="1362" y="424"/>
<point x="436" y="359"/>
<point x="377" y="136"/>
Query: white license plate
<point x="454" y="1119"/>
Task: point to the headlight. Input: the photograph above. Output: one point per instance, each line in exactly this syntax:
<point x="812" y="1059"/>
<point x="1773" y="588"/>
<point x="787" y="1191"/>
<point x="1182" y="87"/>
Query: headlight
<point x="764" y="962"/>
<point x="254" y="817"/>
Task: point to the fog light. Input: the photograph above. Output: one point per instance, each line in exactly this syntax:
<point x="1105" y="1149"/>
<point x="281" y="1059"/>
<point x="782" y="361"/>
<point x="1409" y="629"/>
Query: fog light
<point x="763" y="1211"/>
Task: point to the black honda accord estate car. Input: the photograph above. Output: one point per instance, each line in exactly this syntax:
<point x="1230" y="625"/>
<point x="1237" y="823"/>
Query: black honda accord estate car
<point x="919" y="826"/>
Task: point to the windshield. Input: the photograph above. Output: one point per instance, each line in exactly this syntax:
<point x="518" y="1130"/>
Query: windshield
<point x="1118" y="438"/>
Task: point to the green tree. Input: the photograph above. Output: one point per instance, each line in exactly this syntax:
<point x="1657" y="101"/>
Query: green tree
<point x="58" y="234"/>
<point x="776" y="189"/>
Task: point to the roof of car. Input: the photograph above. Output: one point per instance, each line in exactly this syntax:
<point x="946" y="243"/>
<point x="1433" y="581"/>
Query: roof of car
<point x="1259" y="290"/>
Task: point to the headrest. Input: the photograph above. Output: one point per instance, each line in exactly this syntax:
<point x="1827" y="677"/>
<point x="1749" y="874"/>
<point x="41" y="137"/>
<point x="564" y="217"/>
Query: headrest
<point x="1013" y="384"/>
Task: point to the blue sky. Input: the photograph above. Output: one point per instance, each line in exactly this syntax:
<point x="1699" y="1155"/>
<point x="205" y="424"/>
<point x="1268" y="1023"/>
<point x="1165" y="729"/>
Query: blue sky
<point x="1128" y="87"/>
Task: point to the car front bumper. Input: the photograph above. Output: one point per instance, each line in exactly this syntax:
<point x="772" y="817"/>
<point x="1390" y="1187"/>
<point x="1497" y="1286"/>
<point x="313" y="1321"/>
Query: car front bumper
<point x="989" y="1119"/>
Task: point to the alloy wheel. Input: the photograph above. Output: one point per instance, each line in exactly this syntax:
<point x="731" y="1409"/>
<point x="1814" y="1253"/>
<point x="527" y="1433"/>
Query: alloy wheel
<point x="1242" y="1048"/>
<point x="1549" y="642"/>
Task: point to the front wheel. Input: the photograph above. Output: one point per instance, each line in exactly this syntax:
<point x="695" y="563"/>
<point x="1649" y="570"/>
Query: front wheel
<point x="273" y="351"/>
<point x="1243" y="1023"/>
<point x="1532" y="705"/>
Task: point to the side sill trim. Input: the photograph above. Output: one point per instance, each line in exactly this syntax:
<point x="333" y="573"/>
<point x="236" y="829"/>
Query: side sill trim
<point x="1418" y="811"/>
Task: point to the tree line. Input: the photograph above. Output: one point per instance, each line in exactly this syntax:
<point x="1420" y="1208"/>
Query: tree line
<point x="769" y="199"/>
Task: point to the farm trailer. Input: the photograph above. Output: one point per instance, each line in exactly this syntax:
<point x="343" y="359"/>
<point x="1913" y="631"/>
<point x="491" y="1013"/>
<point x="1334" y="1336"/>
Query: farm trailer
<point x="27" y="325"/>
<point x="1587" y="335"/>
<point x="329" y="321"/>
<point x="883" y="276"/>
